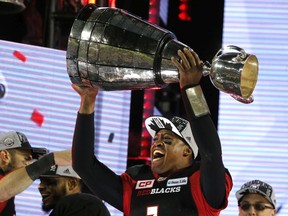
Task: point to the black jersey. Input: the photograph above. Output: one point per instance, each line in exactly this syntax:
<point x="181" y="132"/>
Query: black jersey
<point x="196" y="190"/>
<point x="148" y="194"/>
<point x="80" y="204"/>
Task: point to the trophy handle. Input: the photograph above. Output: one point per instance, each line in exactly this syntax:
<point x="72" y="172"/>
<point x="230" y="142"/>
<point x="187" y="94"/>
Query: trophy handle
<point x="240" y="57"/>
<point x="233" y="47"/>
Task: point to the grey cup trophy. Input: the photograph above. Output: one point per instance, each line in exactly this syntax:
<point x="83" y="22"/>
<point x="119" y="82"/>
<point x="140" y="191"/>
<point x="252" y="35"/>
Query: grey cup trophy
<point x="114" y="50"/>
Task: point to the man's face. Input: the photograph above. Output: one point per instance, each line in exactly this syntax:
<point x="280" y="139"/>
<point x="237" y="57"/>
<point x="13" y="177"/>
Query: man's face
<point x="18" y="159"/>
<point x="167" y="153"/>
<point x="256" y="205"/>
<point x="52" y="189"/>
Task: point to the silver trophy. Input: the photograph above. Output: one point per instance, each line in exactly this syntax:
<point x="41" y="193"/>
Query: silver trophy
<point x="233" y="71"/>
<point x="114" y="50"/>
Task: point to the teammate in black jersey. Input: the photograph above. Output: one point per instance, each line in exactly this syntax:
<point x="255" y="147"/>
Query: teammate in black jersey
<point x="175" y="183"/>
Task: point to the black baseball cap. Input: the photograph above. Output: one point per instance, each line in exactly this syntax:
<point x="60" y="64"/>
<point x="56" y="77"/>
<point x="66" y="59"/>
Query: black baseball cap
<point x="17" y="140"/>
<point x="66" y="171"/>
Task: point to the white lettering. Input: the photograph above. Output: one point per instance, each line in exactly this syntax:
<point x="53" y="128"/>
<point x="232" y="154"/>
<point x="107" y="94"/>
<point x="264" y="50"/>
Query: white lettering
<point x="166" y="190"/>
<point x="177" y="181"/>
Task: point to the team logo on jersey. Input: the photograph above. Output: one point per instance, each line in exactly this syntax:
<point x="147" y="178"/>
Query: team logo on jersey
<point x="145" y="184"/>
<point x="177" y="181"/>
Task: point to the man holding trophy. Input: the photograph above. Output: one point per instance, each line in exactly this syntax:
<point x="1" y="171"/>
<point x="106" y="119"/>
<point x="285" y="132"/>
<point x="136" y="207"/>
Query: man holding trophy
<point x="175" y="183"/>
<point x="110" y="49"/>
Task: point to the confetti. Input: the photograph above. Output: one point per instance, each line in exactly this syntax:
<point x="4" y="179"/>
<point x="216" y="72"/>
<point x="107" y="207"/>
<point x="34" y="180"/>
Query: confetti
<point x="19" y="55"/>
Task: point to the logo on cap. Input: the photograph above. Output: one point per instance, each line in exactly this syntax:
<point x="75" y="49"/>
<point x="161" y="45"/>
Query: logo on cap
<point x="179" y="123"/>
<point x="53" y="168"/>
<point x="67" y="171"/>
<point x="157" y="123"/>
<point x="8" y="142"/>
<point x="179" y="126"/>
<point x="257" y="186"/>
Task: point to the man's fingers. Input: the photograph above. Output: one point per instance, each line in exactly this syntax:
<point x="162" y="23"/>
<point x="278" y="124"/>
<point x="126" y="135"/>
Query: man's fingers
<point x="185" y="62"/>
<point x="76" y="88"/>
<point x="191" y="57"/>
<point x="176" y="63"/>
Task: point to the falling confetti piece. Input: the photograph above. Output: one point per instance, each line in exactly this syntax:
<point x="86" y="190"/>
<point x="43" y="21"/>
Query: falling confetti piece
<point x="37" y="117"/>
<point x="111" y="137"/>
<point x="19" y="55"/>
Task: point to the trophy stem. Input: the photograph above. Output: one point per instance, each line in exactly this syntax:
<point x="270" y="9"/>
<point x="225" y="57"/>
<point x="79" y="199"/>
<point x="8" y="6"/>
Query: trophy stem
<point x="206" y="68"/>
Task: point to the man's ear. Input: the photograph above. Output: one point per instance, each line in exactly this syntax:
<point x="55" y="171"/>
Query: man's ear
<point x="72" y="184"/>
<point x="187" y="151"/>
<point x="5" y="155"/>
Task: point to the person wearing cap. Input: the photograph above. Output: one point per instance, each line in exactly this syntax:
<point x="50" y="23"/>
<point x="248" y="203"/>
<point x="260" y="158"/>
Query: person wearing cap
<point x="186" y="176"/>
<point x="61" y="190"/>
<point x="256" y="198"/>
<point x="20" y="165"/>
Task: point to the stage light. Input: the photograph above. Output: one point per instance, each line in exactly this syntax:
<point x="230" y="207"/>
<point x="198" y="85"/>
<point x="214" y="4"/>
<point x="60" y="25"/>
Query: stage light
<point x="184" y="10"/>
